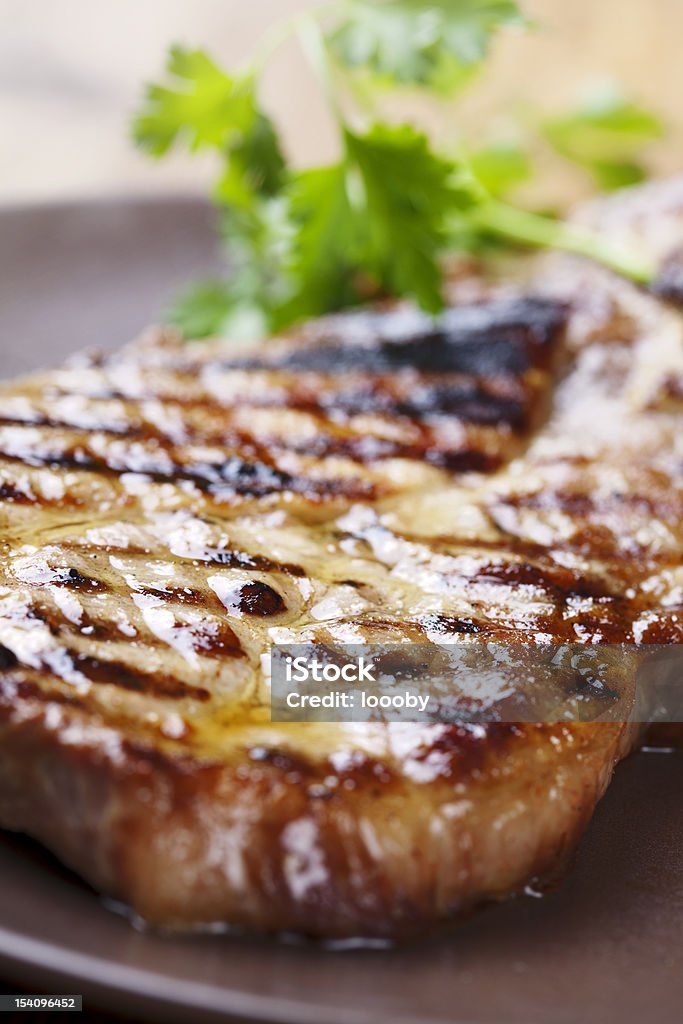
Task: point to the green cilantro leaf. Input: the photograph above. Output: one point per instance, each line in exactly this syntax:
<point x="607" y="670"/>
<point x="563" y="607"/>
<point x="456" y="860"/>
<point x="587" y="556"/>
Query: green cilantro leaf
<point x="212" y="310"/>
<point x="201" y="310"/>
<point x="257" y="243"/>
<point x="255" y="165"/>
<point x="206" y="108"/>
<point x="610" y="175"/>
<point x="408" y="194"/>
<point x="202" y="106"/>
<point x="437" y="43"/>
<point x="380" y="220"/>
<point x="321" y="268"/>
<point x="606" y="136"/>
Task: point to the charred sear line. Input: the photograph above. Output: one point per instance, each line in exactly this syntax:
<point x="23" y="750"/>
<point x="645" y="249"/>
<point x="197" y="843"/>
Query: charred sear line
<point x="211" y="638"/>
<point x="11" y="493"/>
<point x="116" y="673"/>
<point x="235" y="559"/>
<point x="26" y="689"/>
<point x="669" y="281"/>
<point x="456" y="751"/>
<point x="231" y="558"/>
<point x="472" y="401"/>
<point x="505" y="337"/>
<point x="103" y="426"/>
<point x="257" y="598"/>
<point x="478" y="403"/>
<point x="558" y="582"/>
<point x="112" y="673"/>
<point x="186" y="596"/>
<point x="359" y="768"/>
<point x="95" y="627"/>
<point x="72" y="578"/>
<point x="672" y="387"/>
<point x="8" y="659"/>
<point x="467" y="460"/>
<point x="469" y="402"/>
<point x="588" y="685"/>
<point x="84" y="546"/>
<point x="217" y="640"/>
<point x="436" y="353"/>
<point x="447" y="625"/>
<point x="369" y="449"/>
<point x="585" y="505"/>
<point x="233" y="476"/>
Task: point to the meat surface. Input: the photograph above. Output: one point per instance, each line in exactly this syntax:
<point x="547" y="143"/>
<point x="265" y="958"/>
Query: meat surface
<point x="509" y="474"/>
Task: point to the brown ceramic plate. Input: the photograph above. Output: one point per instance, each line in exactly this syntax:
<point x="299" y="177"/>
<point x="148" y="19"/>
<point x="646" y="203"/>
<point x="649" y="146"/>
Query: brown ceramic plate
<point x="607" y="946"/>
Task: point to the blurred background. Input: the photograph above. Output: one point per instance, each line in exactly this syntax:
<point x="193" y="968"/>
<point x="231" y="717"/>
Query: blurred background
<point x="71" y="72"/>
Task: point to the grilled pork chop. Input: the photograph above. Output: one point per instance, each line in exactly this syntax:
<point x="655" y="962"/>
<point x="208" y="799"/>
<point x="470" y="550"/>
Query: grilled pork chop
<point x="168" y="512"/>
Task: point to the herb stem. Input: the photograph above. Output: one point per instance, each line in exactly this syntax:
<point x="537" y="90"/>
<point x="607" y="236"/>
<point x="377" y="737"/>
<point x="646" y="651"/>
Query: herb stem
<point x="542" y="232"/>
<point x="313" y="43"/>
<point x="282" y="31"/>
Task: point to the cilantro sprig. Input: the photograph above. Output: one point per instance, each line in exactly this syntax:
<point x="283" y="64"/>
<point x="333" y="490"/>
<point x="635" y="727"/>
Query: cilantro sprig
<point x="379" y="220"/>
<point x="438" y="45"/>
<point x="604" y="135"/>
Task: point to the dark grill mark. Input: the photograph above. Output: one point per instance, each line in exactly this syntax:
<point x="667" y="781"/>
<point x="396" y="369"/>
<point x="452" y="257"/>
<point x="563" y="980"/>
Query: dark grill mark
<point x="233" y="476"/>
<point x="590" y="686"/>
<point x="52" y="423"/>
<point x="257" y="598"/>
<point x="505" y="337"/>
<point x="471" y="401"/>
<point x="8" y="659"/>
<point x="221" y="642"/>
<point x="28" y="690"/>
<point x="115" y="673"/>
<point x="229" y="557"/>
<point x="582" y="506"/>
<point x="359" y="769"/>
<point x="214" y="639"/>
<point x="69" y="577"/>
<point x="468" y="402"/>
<point x="368" y="449"/>
<point x="75" y="544"/>
<point x="672" y="388"/>
<point x="182" y="595"/>
<point x="669" y="281"/>
<point x="666" y="629"/>
<point x="557" y="581"/>
<point x="73" y="578"/>
<point x="460" y="751"/>
<point x="243" y="560"/>
<point x="252" y="471"/>
<point x="446" y="625"/>
<point x="9" y="492"/>
<point x="431" y="353"/>
<point x="492" y="344"/>
<point x="466" y="461"/>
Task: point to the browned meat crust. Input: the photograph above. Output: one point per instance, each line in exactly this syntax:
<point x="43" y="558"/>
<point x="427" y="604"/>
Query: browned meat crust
<point x="168" y="513"/>
<point x="279" y="842"/>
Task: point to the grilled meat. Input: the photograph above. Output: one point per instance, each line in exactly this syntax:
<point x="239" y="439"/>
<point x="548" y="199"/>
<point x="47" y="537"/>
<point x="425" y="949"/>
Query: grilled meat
<point x="510" y="474"/>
